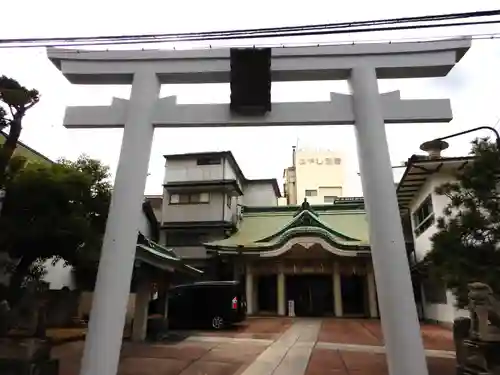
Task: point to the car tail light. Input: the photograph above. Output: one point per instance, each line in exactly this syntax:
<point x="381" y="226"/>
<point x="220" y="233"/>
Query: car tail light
<point x="235" y="303"/>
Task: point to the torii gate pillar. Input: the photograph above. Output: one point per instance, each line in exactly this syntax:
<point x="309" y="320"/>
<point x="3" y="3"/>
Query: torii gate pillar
<point x="398" y="314"/>
<point x="112" y="289"/>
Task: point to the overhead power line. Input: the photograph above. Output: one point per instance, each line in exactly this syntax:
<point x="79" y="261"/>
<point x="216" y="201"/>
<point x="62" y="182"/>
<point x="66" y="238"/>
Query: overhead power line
<point x="249" y="32"/>
<point x="329" y="32"/>
<point x="391" y="24"/>
<point x="412" y="39"/>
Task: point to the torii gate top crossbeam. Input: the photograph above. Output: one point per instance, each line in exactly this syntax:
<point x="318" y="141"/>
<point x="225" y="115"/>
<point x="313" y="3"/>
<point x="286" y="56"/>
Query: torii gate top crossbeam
<point x="396" y="60"/>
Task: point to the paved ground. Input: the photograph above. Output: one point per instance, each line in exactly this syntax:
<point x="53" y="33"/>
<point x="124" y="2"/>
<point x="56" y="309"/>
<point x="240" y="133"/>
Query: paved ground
<point x="256" y="328"/>
<point x="369" y="332"/>
<point x="186" y="358"/>
<point x="328" y="362"/>
<point x="272" y="346"/>
<point x="289" y="355"/>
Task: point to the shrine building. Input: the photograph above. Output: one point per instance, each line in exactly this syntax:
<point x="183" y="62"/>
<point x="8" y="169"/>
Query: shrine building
<point x="232" y="227"/>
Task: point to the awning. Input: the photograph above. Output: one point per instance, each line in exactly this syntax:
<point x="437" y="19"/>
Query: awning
<point x="418" y="171"/>
<point x="150" y="252"/>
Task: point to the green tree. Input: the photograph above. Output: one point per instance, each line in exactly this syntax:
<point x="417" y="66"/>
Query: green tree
<point x="54" y="211"/>
<point x="15" y="101"/>
<point x="465" y="248"/>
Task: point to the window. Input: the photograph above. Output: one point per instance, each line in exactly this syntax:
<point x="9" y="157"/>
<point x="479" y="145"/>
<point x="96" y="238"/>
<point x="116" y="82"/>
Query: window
<point x="311" y="193"/>
<point x="199" y="198"/>
<point x="229" y="200"/>
<point x="193" y="198"/>
<point x="208" y="161"/>
<point x="423" y="217"/>
<point x="329" y="199"/>
<point x="337" y="161"/>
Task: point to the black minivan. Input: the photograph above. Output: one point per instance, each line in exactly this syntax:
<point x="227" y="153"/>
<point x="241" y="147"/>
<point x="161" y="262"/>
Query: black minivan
<point x="215" y="304"/>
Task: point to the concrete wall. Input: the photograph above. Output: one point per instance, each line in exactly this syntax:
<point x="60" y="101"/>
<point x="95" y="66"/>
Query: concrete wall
<point x="229" y="173"/>
<point x="188" y="170"/>
<point x="290" y="187"/>
<point x="259" y="194"/>
<point x="439" y="202"/>
<point x="282" y="201"/>
<point x="85" y="306"/>
<point x="317" y="170"/>
<point x="215" y="210"/>
<point x="444" y="313"/>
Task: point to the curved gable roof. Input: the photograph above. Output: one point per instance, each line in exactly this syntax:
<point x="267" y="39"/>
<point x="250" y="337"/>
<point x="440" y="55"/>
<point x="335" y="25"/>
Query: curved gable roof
<point x="307" y="218"/>
<point x="347" y="229"/>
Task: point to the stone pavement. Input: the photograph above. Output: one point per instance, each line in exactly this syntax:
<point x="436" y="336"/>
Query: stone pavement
<point x="277" y="346"/>
<point x="369" y="332"/>
<point x="268" y="328"/>
<point x="289" y="355"/>
<point x="184" y="358"/>
<point x="339" y="362"/>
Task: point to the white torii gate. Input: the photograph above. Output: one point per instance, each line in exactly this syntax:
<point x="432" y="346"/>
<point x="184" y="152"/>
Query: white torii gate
<point x="361" y="64"/>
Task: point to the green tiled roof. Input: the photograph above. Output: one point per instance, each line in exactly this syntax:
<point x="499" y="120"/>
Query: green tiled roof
<point x="158" y="256"/>
<point x="26" y="152"/>
<point x="260" y="230"/>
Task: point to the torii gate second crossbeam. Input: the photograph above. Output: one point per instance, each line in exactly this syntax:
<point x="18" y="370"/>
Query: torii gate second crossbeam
<point x="361" y="64"/>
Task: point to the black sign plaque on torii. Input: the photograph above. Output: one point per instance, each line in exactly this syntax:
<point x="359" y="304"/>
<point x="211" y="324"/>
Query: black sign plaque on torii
<point x="250" y="81"/>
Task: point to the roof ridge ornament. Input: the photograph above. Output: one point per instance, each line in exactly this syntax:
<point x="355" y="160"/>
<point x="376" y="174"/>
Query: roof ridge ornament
<point x="305" y="206"/>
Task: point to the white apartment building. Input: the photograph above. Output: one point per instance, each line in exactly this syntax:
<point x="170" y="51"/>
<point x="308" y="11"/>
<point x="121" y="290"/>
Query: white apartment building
<point x="418" y="199"/>
<point x="202" y="200"/>
<point x="317" y="175"/>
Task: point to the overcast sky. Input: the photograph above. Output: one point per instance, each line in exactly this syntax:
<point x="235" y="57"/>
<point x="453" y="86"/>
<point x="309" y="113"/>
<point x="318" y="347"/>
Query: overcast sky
<point x="261" y="152"/>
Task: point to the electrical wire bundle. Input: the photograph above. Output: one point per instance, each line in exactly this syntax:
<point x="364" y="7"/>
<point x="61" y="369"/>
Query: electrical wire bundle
<point x="383" y="25"/>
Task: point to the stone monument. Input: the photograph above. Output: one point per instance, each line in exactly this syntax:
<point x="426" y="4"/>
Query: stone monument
<point x="477" y="338"/>
<point x="24" y="348"/>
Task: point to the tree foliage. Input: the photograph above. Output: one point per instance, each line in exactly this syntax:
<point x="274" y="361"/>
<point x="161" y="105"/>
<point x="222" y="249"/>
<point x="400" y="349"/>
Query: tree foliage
<point x="15" y="101"/>
<point x="55" y="211"/>
<point x="465" y="248"/>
